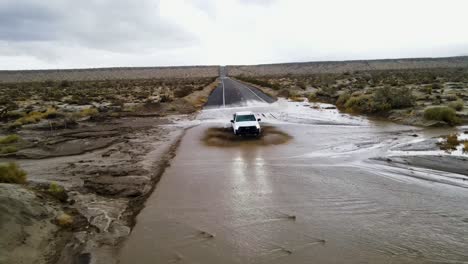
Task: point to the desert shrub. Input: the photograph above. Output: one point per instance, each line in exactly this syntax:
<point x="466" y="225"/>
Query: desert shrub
<point x="302" y="85"/>
<point x="9" y="139"/>
<point x="451" y="97"/>
<point x="88" y="112"/>
<point x="436" y="86"/>
<point x="329" y="91"/>
<point x="465" y="146"/>
<point x="451" y="142"/>
<point x="64" y="84"/>
<point x="11" y="173"/>
<point x="64" y="220"/>
<point x="51" y="112"/>
<point x="427" y="89"/>
<point x="57" y="191"/>
<point x="296" y="97"/>
<point x="259" y="82"/>
<point x="165" y="98"/>
<point x="442" y="113"/>
<point x="360" y="104"/>
<point x="182" y="91"/>
<point x="387" y="98"/>
<point x="312" y="97"/>
<point x="342" y="99"/>
<point x="457" y="105"/>
<point x="34" y="117"/>
<point x="284" y="93"/>
<point x="8" y="149"/>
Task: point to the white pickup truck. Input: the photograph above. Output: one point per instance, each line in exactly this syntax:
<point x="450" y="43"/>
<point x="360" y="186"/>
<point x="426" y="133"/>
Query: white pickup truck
<point x="245" y="123"/>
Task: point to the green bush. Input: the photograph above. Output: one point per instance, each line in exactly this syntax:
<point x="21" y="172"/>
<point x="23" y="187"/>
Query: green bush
<point x="34" y="117"/>
<point x="11" y="173"/>
<point x="8" y="149"/>
<point x="88" y="112"/>
<point x="442" y="113"/>
<point x="9" y="139"/>
<point x="182" y="91"/>
<point x="342" y="99"/>
<point x="312" y="97"/>
<point x="457" y="105"/>
<point x="57" y="191"/>
<point x="387" y="98"/>
<point x="361" y="104"/>
<point x="427" y="89"/>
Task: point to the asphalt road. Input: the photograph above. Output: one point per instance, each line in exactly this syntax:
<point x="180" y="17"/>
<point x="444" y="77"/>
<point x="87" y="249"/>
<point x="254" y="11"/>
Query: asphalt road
<point x="234" y="93"/>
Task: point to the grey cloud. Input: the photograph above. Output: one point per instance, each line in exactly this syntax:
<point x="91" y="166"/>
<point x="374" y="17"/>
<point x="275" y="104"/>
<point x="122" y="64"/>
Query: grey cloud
<point x="113" y="25"/>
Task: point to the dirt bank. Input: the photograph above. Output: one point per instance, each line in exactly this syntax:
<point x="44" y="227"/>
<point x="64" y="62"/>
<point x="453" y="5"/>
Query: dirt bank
<point x="100" y="170"/>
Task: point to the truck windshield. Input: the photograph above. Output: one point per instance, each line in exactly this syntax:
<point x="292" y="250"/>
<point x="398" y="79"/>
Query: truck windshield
<point x="242" y="118"/>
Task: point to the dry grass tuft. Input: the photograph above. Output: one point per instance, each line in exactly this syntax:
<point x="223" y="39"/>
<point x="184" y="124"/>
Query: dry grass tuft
<point x="11" y="173"/>
<point x="64" y="220"/>
<point x="10" y="139"/>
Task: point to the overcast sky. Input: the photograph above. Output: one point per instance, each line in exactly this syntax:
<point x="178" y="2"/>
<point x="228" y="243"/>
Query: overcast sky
<point x="38" y="34"/>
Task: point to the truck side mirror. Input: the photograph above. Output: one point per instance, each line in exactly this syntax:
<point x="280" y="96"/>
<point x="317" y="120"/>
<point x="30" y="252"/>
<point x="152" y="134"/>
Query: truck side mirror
<point x="259" y="119"/>
<point x="232" y="121"/>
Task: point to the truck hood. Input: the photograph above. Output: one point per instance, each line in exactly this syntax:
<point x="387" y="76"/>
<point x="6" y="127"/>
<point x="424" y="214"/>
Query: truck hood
<point x="246" y="123"/>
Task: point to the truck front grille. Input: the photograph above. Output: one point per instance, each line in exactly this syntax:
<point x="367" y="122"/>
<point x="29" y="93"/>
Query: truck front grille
<point x="249" y="129"/>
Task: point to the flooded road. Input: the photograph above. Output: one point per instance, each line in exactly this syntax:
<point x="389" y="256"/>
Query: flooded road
<point x="321" y="197"/>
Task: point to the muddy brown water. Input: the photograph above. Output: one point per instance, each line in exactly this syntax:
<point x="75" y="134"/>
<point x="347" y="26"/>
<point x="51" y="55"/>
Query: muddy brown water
<point x="223" y="137"/>
<point x="316" y="199"/>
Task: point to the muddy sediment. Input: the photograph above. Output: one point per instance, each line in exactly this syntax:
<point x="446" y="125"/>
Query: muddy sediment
<point x="223" y="137"/>
<point x="107" y="170"/>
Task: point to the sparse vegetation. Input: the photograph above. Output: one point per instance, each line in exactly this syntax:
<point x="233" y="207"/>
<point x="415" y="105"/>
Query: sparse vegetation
<point x="34" y="117"/>
<point x="8" y="149"/>
<point x="57" y="191"/>
<point x="384" y="92"/>
<point x="258" y="81"/>
<point x="11" y="173"/>
<point x="13" y="138"/>
<point x="25" y="103"/>
<point x="442" y="113"/>
<point x="64" y="220"/>
<point x="457" y="105"/>
<point x="342" y="99"/>
<point x="360" y="104"/>
<point x="88" y="112"/>
<point x="450" y="143"/>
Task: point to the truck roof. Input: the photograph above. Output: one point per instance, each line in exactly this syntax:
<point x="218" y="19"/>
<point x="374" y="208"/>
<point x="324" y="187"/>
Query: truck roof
<point x="244" y="113"/>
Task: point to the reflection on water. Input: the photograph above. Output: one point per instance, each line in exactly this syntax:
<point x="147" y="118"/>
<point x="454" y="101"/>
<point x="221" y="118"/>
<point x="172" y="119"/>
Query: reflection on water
<point x="248" y="173"/>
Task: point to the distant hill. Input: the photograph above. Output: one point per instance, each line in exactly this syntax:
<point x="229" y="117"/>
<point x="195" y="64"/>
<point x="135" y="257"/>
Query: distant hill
<point x="110" y="73"/>
<point x="232" y="70"/>
<point x="347" y="66"/>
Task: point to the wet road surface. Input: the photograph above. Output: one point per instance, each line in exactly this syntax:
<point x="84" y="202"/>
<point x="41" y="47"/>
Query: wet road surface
<point x="231" y="92"/>
<point x="320" y="198"/>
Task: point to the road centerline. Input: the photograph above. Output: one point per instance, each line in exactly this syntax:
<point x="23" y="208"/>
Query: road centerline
<point x="224" y="97"/>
